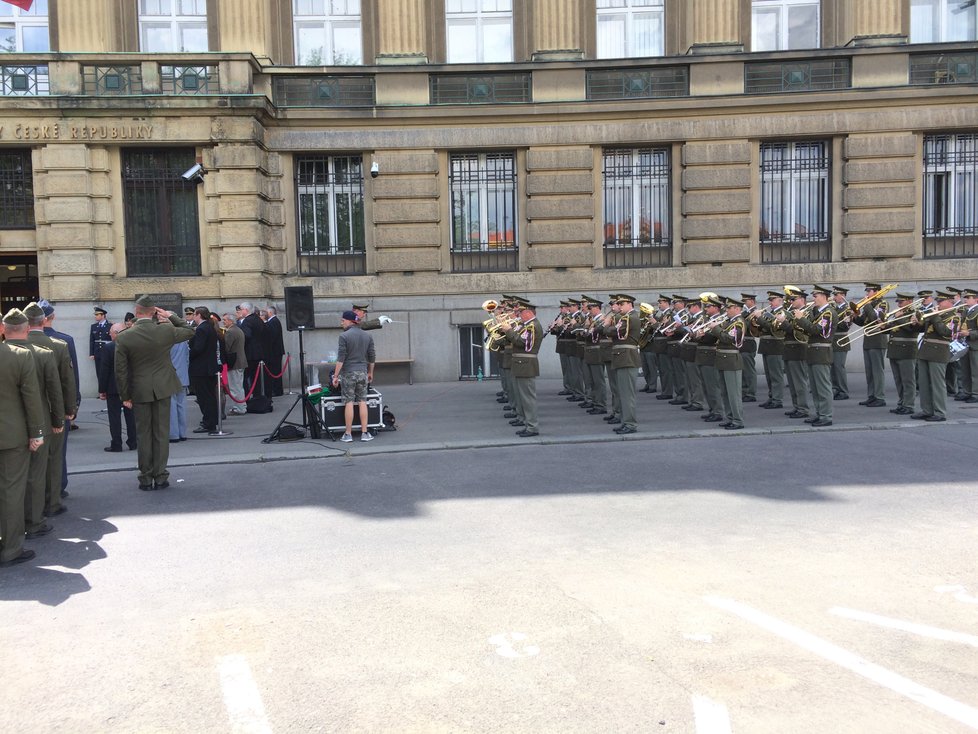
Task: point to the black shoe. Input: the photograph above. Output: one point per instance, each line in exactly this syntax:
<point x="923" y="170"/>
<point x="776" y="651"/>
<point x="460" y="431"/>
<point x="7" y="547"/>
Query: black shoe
<point x="678" y="401"/>
<point x="615" y="421"/>
<point x="161" y="485"/>
<point x="712" y="418"/>
<point x="565" y="392"/>
<point x="54" y="513"/>
<point x="40" y="532"/>
<point x="502" y="400"/>
<point x="586" y="404"/>
<point x="527" y="434"/>
<point x="935" y="419"/>
<point x="693" y="408"/>
<point x="867" y="401"/>
<point x="64" y="493"/>
<point x="876" y="404"/>
<point x="25" y="555"/>
<point x="765" y="404"/>
<point x="132" y="446"/>
<point x="146" y="487"/>
<point x="517" y="422"/>
<point x="840" y="397"/>
<point x="725" y="424"/>
<point x="201" y="429"/>
<point x="811" y="419"/>
<point x="575" y="399"/>
<point x="821" y="423"/>
<point x="733" y="427"/>
<point x="625" y="429"/>
<point x="902" y="411"/>
<point x="609" y="418"/>
<point x="597" y="411"/>
<point x="113" y="449"/>
<point x="664" y="396"/>
<point x="920" y="416"/>
<point x="500" y="394"/>
<point x="507" y="408"/>
<point x="773" y="404"/>
<point x="644" y="389"/>
<point x="74" y="427"/>
<point x="798" y="414"/>
<point x="174" y="440"/>
<point x="972" y="399"/>
<point x="748" y="399"/>
<point x="511" y="414"/>
<point x="961" y="397"/>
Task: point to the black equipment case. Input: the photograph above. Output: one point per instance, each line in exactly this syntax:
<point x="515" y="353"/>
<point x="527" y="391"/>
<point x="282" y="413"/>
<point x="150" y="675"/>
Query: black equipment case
<point x="331" y="412"/>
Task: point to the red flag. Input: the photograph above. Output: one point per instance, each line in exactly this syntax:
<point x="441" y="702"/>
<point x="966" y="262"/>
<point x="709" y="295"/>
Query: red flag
<point x="22" y="4"/>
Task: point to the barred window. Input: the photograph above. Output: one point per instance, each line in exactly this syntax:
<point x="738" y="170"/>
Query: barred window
<point x="327" y="32"/>
<point x="950" y="197"/>
<point x="940" y="21"/>
<point x="16" y="190"/>
<point x="795" y="202"/>
<point x="329" y="192"/>
<point x="630" y="28"/>
<point x="162" y="227"/>
<point x="637" y="221"/>
<point x="483" y="200"/>
<point x="781" y="25"/>
<point x="474" y="358"/>
<point x="479" y="31"/>
<point x="172" y="26"/>
<point x="24" y="31"/>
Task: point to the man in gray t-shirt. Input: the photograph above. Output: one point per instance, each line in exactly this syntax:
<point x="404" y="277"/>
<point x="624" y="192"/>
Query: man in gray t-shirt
<point x="355" y="365"/>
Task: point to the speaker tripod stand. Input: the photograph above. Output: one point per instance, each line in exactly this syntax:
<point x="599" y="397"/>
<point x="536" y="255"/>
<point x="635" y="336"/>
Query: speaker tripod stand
<point x="311" y="420"/>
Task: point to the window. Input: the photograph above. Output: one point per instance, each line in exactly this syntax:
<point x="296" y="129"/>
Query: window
<point x="330" y="207"/>
<point x="637" y="222"/>
<point x="16" y="190"/>
<point x="936" y="21"/>
<point x="950" y="196"/>
<point x="483" y="200"/>
<point x="794" y="202"/>
<point x="481" y="89"/>
<point x="474" y="358"/>
<point x="479" y="31"/>
<point x="797" y="76"/>
<point x="661" y="81"/>
<point x="630" y="28"/>
<point x="172" y="26"/>
<point x="327" y="32"/>
<point x="24" y="31"/>
<point x="162" y="229"/>
<point x="780" y="25"/>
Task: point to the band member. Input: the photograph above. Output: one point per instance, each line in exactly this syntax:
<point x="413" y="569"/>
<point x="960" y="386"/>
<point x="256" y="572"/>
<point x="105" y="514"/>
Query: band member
<point x="818" y="321"/>
<point x="578" y="386"/>
<point x="874" y="347"/>
<point x="952" y="374"/>
<point x="771" y="349"/>
<point x="591" y="341"/>
<point x="650" y="369"/>
<point x="840" y="352"/>
<point x="902" y="353"/>
<point x="940" y="329"/>
<point x="928" y="303"/>
<point x="729" y="364"/>
<point x="526" y="337"/>
<point x="680" y="317"/>
<point x="610" y="321"/>
<point x="688" y="348"/>
<point x="625" y="360"/>
<point x="706" y="358"/>
<point x="969" y="363"/>
<point x="796" y="353"/>
<point x="660" y="343"/>
<point x="748" y="351"/>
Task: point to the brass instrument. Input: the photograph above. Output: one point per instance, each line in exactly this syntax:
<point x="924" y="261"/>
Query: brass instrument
<point x="858" y="305"/>
<point x="646" y="309"/>
<point x="692" y="327"/>
<point x="490" y="305"/>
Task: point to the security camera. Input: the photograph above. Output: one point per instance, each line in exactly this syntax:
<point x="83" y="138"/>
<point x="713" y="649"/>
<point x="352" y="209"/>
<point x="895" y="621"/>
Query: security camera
<point x="194" y="173"/>
<point x="374" y="169"/>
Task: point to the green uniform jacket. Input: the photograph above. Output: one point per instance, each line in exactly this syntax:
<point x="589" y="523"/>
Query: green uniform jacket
<point x="903" y="338"/>
<point x="820" y="329"/>
<point x="48" y="383"/>
<point x="728" y="337"/>
<point x="143" y="368"/>
<point x="526" y="344"/>
<point x="871" y="314"/>
<point x="624" y="344"/>
<point x="69" y="390"/>
<point x="370" y="324"/>
<point x="936" y="346"/>
<point x="971" y="319"/>
<point x="22" y="417"/>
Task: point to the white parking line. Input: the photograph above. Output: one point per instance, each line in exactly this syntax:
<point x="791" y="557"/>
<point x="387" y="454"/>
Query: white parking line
<point x="898" y="624"/>
<point x="879" y="675"/>
<point x="711" y="716"/>
<point x="241" y="697"/>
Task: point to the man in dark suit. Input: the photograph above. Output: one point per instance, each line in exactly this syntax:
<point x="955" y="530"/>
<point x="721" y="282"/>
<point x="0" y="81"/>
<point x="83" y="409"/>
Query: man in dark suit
<point x="98" y="336"/>
<point x="22" y="423"/>
<point x="50" y="331"/>
<point x="274" y="351"/>
<point x="108" y="390"/>
<point x="205" y="363"/>
<point x="254" y="331"/>
<point x="146" y="381"/>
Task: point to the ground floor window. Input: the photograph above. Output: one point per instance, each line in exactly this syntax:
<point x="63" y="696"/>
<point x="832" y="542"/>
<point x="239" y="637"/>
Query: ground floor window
<point x="483" y="195"/>
<point x="16" y="190"/>
<point x="795" y="201"/>
<point x="474" y="358"/>
<point x="330" y="208"/>
<point x="950" y="198"/>
<point x="637" y="229"/>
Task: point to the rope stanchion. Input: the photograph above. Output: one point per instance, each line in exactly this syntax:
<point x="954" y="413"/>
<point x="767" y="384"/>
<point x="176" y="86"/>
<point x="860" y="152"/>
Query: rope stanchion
<point x="220" y="432"/>
<point x="227" y="387"/>
<point x="284" y="368"/>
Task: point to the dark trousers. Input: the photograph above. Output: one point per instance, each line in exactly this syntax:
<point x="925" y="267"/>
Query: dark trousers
<point x="116" y="411"/>
<point x="205" y="388"/>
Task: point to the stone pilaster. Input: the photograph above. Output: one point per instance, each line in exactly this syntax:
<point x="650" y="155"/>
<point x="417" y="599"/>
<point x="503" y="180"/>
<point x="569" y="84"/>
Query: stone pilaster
<point x="557" y="32"/>
<point x="716" y="202"/>
<point x="559" y="208"/>
<point x="401" y="32"/>
<point x="89" y="26"/>
<point x="74" y="215"/>
<point x="873" y="22"/>
<point x="249" y="25"/>
<point x="716" y="26"/>
<point x="405" y="212"/>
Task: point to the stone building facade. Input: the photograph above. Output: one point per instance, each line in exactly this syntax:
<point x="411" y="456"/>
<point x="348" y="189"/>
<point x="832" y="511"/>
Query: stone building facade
<point x="543" y="148"/>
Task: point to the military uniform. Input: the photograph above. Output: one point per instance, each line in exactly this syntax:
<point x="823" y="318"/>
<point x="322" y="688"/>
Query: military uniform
<point x="840" y="352"/>
<point x="590" y="342"/>
<point x="796" y="360"/>
<point x="729" y="337"/>
<point x="22" y="420"/>
<point x="748" y="350"/>
<point x="706" y="364"/>
<point x="605" y="342"/>
<point x="901" y="351"/>
<point x="820" y="327"/>
<point x="98" y="337"/>
<point x="526" y="339"/>
<point x="676" y="366"/>
<point x="660" y="344"/>
<point x="874" y="349"/>
<point x="625" y="361"/>
<point x="688" y="351"/>
<point x="771" y="349"/>
<point x="932" y="360"/>
<point x="969" y="363"/>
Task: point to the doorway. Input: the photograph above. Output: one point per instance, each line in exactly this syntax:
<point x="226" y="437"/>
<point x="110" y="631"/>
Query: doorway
<point x="18" y="281"/>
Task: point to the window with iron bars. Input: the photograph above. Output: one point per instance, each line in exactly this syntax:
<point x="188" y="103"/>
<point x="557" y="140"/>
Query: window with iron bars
<point x="162" y="227"/>
<point x="329" y="191"/>
<point x="950" y="197"/>
<point x="637" y="207"/>
<point x="16" y="190"/>
<point x="483" y="200"/>
<point x="795" y="202"/>
<point x="473" y="355"/>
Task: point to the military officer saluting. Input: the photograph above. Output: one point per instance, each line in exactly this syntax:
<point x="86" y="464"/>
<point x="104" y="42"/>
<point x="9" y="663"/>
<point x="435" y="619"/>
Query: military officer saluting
<point x="365" y="324"/>
<point x="98" y="337"/>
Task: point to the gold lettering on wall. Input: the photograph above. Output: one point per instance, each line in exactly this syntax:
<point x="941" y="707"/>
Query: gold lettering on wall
<point x="66" y="131"/>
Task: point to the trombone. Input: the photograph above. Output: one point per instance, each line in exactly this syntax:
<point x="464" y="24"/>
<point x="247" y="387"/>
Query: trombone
<point x="858" y="305"/>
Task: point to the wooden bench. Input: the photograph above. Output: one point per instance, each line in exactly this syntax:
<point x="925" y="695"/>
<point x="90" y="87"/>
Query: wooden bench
<point x="390" y="365"/>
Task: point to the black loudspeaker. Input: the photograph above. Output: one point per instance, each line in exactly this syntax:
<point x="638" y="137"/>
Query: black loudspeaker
<point x="300" y="312"/>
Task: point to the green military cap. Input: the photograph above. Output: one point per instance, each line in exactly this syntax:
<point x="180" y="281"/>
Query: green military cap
<point x="594" y="302"/>
<point x="509" y="298"/>
<point x="944" y="296"/>
<point x="664" y="297"/>
<point x="565" y="304"/>
<point x="821" y="289"/>
<point x="873" y="286"/>
<point x="925" y="294"/>
<point x="678" y="297"/>
<point x="730" y="301"/>
<point x="797" y="293"/>
<point x="774" y="294"/>
<point x="625" y="298"/>
<point x="16" y="317"/>
<point x="952" y="289"/>
<point x="840" y="290"/>
<point x="524" y="305"/>
<point x="573" y="302"/>
<point x="714" y="300"/>
<point x="33" y="311"/>
<point x="749" y="296"/>
<point x="146" y="301"/>
<point x="791" y="290"/>
<point x="969" y="293"/>
<point x="188" y="311"/>
<point x="904" y="297"/>
<point x="362" y="308"/>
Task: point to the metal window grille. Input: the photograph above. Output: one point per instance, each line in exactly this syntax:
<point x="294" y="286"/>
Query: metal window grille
<point x="661" y="81"/>
<point x="16" y="190"/>
<point x="950" y="197"/>
<point x="637" y="208"/>
<point x="24" y="81"/>
<point x="944" y="69"/>
<point x="483" y="199"/>
<point x="162" y="228"/>
<point x="473" y="355"/>
<point x="329" y="191"/>
<point x="485" y="89"/>
<point x="189" y="80"/>
<point x="797" y="76"/>
<point x="795" y="202"/>
<point x="112" y="80"/>
<point x="324" y="91"/>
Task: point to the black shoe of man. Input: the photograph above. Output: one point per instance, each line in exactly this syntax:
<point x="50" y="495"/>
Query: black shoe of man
<point x="40" y="532"/>
<point x="527" y="434"/>
<point x="517" y="422"/>
<point x="621" y="431"/>
<point x="113" y="449"/>
<point x="161" y="485"/>
<point x="821" y="423"/>
<point x="25" y="555"/>
<point x="597" y="411"/>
